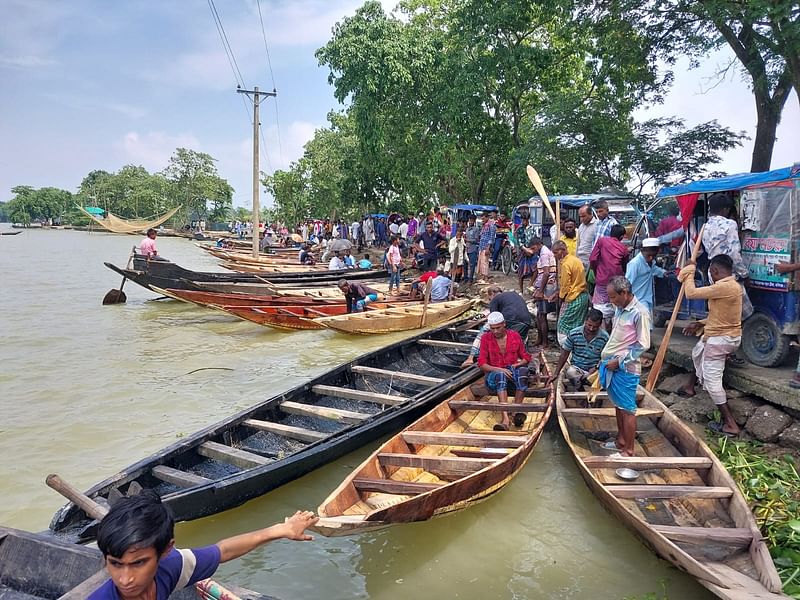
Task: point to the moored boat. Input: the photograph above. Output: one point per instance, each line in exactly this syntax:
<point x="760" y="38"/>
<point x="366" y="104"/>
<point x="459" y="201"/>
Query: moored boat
<point x="34" y="567"/>
<point x="215" y="299"/>
<point x="297" y="317"/>
<point x="291" y="433"/>
<point x="315" y="290"/>
<point x="448" y="460"/>
<point x="399" y="318"/>
<point x="679" y="499"/>
<point x="274" y="268"/>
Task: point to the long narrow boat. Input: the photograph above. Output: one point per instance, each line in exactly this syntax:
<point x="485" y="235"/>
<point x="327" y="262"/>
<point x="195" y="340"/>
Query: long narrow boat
<point x="297" y="317"/>
<point x="291" y="433"/>
<point x="448" y="460"/>
<point x="403" y="318"/>
<point x="246" y="257"/>
<point x="326" y="290"/>
<point x="272" y="269"/>
<point x="684" y="504"/>
<point x="34" y="567"/>
<point x="215" y="299"/>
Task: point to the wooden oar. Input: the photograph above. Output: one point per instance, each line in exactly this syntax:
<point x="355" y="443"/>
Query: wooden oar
<point x="428" y="287"/>
<point x="78" y="498"/>
<point x="537" y="184"/>
<point x="117" y="296"/>
<point x="655" y="370"/>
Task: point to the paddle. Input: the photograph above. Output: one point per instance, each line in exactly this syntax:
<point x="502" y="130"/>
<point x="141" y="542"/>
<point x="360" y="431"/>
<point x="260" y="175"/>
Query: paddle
<point x="428" y="287"/>
<point x="117" y="296"/>
<point x="537" y="184"/>
<point x="662" y="349"/>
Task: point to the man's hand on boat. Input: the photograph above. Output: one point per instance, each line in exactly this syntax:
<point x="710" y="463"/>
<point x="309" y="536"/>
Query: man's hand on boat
<point x="292" y="528"/>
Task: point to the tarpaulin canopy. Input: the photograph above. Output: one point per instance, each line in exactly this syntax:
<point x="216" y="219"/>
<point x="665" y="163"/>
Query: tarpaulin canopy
<point x="483" y="207"/>
<point x="731" y="182"/>
<point x="578" y="200"/>
<point x="94" y="210"/>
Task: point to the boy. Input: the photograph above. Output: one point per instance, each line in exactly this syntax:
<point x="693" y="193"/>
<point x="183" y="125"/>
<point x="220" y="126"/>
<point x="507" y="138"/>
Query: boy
<point x="137" y="540"/>
<point x="365" y="263"/>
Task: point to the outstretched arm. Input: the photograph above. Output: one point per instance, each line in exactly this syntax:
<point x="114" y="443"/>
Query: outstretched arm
<point x="293" y="528"/>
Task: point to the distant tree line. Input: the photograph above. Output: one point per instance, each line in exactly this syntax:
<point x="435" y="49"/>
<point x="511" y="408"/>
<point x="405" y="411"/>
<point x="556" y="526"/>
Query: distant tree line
<point x="446" y="101"/>
<point x="190" y="179"/>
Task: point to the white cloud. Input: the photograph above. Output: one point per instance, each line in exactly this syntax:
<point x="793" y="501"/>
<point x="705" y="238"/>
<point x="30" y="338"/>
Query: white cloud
<point x="290" y="147"/>
<point x="152" y="150"/>
<point x="25" y="62"/>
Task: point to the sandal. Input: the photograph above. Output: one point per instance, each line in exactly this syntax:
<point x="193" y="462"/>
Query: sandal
<point x="519" y="419"/>
<point x="500" y="427"/>
<point x="716" y="427"/>
<point x="610" y="445"/>
<point x="735" y="362"/>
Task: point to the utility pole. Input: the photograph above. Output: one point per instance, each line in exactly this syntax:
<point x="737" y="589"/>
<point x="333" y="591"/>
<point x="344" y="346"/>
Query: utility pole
<point x="257" y="95"/>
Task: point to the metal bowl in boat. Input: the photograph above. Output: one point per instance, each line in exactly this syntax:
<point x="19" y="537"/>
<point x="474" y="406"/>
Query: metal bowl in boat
<point x="627" y="474"/>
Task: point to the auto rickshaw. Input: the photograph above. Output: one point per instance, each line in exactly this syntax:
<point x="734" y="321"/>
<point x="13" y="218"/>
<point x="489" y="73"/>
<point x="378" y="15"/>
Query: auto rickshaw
<point x="768" y="212"/>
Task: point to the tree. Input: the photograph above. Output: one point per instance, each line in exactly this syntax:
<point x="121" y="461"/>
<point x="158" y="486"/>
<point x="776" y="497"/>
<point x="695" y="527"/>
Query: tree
<point x="195" y="183"/>
<point x="290" y="191"/>
<point x="30" y="204"/>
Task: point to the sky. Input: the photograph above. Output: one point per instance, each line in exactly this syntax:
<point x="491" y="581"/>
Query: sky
<point x="92" y="84"/>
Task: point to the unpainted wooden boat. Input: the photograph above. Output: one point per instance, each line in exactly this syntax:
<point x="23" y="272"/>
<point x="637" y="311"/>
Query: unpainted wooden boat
<point x="298" y="317"/>
<point x="284" y="437"/>
<point x="403" y="318"/>
<point x="235" y="256"/>
<point x="684" y="504"/>
<point x="294" y="268"/>
<point x="215" y="299"/>
<point x="323" y="290"/>
<point x="34" y="567"/>
<point x="448" y="460"/>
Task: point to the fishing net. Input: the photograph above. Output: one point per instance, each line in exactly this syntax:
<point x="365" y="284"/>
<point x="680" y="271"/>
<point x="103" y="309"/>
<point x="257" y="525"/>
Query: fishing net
<point x="117" y="224"/>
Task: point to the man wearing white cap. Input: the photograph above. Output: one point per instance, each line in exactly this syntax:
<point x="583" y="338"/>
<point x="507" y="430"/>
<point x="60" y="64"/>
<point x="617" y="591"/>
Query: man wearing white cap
<point x="501" y="357"/>
<point x="641" y="271"/>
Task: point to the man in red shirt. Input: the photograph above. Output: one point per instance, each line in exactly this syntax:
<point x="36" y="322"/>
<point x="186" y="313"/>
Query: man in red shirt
<point x="419" y="284"/>
<point x="501" y="357"/>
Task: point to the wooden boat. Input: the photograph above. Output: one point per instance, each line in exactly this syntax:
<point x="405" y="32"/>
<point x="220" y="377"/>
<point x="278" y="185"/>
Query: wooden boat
<point x="684" y="504"/>
<point x="283" y="437"/>
<point x="215" y="299"/>
<point x="326" y="290"/>
<point x="448" y="460"/>
<point x="34" y="566"/>
<point x="297" y="317"/>
<point x="397" y="318"/>
<point x="247" y="257"/>
<point x="10" y="232"/>
<point x="259" y="269"/>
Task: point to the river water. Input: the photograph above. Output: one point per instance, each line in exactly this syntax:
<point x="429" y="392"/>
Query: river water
<point x="86" y="390"/>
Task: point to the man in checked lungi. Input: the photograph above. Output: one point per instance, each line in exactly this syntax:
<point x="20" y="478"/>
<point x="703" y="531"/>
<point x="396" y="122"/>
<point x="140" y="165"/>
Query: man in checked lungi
<point x="620" y="367"/>
<point x="572" y="291"/>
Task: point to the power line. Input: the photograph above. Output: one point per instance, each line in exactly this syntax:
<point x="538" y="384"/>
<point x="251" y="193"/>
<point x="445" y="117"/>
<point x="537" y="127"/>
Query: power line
<point x="272" y="76"/>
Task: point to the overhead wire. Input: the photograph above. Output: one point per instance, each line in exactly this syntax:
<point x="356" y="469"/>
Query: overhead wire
<point x="272" y="77"/>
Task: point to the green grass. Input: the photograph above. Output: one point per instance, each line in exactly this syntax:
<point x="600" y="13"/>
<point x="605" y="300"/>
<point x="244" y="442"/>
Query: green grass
<point x="772" y="488"/>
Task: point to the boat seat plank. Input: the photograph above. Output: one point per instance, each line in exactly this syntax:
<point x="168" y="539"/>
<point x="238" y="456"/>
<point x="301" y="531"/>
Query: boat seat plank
<point x="399" y="375"/>
<point x="351" y="394"/>
<point x="599" y="396"/>
<point x="323" y="412"/>
<point x="732" y="535"/>
<point x="234" y="456"/>
<point x="177" y="477"/>
<point x="289" y="431"/>
<point x="389" y="486"/>
<point x="609" y="412"/>
<point x="445" y="344"/>
<point x="497" y="406"/>
<point x="446" y="467"/>
<point x="669" y="491"/>
<point x="648" y="462"/>
<point x="441" y="438"/>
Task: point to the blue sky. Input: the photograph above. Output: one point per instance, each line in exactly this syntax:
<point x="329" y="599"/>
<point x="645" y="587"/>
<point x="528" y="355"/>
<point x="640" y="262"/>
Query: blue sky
<point x="92" y="84"/>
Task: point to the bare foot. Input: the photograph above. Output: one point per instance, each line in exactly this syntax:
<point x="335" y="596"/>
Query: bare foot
<point x="468" y="362"/>
<point x="687" y="391"/>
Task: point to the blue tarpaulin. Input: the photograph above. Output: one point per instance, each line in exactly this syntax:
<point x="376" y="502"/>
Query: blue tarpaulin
<point x="483" y="207"/>
<point x="578" y="200"/>
<point x="94" y="210"/>
<point x="731" y="182"/>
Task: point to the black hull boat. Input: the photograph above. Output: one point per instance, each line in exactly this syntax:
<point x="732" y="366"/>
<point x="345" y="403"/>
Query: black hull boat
<point x="286" y="436"/>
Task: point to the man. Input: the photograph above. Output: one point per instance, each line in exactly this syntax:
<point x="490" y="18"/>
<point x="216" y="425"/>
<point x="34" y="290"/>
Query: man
<point x="486" y="243"/>
<point x="336" y="263"/>
<point x="503" y="226"/>
<point x="394" y="261"/>
<point x="457" y="249"/>
<point x="418" y="284"/>
<point x="586" y="231"/>
<point x="721" y="333"/>
<point x="604" y="221"/>
<point x="584" y="344"/>
<point x="620" y="368"/>
<point x="413" y="227"/>
<point x="147" y="247"/>
<point x="669" y="224"/>
<point x="472" y="236"/>
<point x="527" y="258"/>
<point x="428" y="242"/>
<point x="137" y="539"/>
<point x="369" y="231"/>
<point x="570" y="236"/>
<point x="355" y="231"/>
<point x="394" y="229"/>
<point x="571" y="290"/>
<point x="555" y="235"/>
<point x="544" y="287"/>
<point x="501" y="357"/>
<point x="348" y="260"/>
<point x="306" y="258"/>
<point x="357" y="295"/>
<point x="403" y="229"/>
<point x="721" y="236"/>
<point x="365" y="263"/>
<point x="514" y="311"/>
<point x="641" y="271"/>
<point x="608" y="259"/>
<point x="442" y="287"/>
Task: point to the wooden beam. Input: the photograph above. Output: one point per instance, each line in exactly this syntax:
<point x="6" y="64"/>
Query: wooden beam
<point x="389" y="486"/>
<point x="234" y="456"/>
<point x="496" y="406"/>
<point x="177" y="477"/>
<point x="399" y="375"/>
<point x="351" y="394"/>
<point x="608" y="412"/>
<point x="648" y="462"/>
<point x="445" y="344"/>
<point x="599" y="396"/>
<point x="323" y="412"/>
<point x="288" y="431"/>
<point x="441" y="438"/>
<point x="699" y="535"/>
<point x="669" y="491"/>
<point x="448" y="466"/>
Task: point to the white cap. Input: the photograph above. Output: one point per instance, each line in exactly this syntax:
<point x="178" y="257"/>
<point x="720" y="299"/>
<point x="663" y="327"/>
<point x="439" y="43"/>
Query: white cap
<point x="495" y="318"/>
<point x="650" y="243"/>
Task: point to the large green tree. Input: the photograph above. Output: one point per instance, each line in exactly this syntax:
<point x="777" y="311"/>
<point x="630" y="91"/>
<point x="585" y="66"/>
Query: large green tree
<point x="195" y="183"/>
<point x="30" y="204"/>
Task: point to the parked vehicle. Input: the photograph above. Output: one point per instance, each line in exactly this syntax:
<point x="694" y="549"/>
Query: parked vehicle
<point x="461" y="212"/>
<point x="768" y="211"/>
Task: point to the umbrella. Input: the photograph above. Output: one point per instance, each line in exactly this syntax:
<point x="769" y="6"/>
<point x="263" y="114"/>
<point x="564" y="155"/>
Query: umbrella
<point x="339" y="244"/>
<point x="297" y="238"/>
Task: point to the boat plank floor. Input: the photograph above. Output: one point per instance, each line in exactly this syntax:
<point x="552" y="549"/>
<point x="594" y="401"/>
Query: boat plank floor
<point x="353" y="394"/>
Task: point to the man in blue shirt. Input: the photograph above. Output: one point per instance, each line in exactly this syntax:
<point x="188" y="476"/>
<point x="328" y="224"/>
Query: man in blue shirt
<point x="430" y="241"/>
<point x="584" y="343"/>
<point x="641" y="271"/>
<point x="442" y="287"/>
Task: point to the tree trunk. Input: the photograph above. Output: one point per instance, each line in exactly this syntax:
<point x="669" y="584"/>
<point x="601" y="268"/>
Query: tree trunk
<point x="763" y="145"/>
